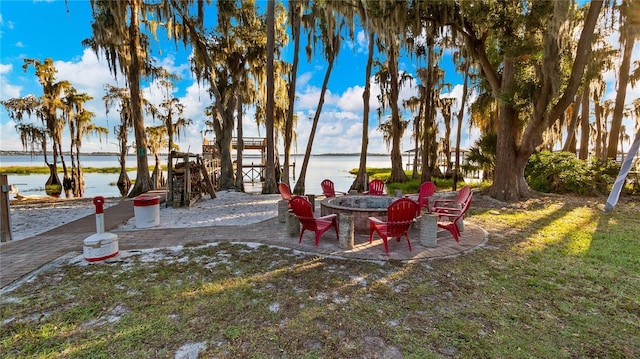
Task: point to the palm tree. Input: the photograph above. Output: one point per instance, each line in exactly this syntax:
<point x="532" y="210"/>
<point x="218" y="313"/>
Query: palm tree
<point x="466" y="65"/>
<point x="32" y="137"/>
<point x="85" y="128"/>
<point x="45" y="108"/>
<point x="295" y="14"/>
<point x="116" y="33"/>
<point x="270" y="185"/>
<point x="120" y="96"/>
<point x="331" y="40"/>
<point x="79" y="121"/>
<point x="445" y="109"/>
<point x="360" y="182"/>
<point x="158" y="139"/>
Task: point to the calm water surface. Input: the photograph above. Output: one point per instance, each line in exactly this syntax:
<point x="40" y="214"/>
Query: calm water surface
<point x="335" y="168"/>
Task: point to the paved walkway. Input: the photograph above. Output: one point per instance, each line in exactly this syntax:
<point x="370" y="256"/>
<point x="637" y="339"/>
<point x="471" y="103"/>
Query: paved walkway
<point x="19" y="258"/>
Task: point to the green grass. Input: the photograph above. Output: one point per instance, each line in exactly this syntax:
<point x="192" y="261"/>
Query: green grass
<point x="413" y="185"/>
<point x="558" y="278"/>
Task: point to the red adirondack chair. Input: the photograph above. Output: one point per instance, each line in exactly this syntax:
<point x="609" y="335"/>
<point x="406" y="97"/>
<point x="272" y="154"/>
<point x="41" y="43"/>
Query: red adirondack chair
<point x="448" y="218"/>
<point x="285" y="192"/>
<point x="400" y="215"/>
<point x="301" y="207"/>
<point x="427" y="189"/>
<point x="444" y="205"/>
<point x="328" y="189"/>
<point x="376" y="188"/>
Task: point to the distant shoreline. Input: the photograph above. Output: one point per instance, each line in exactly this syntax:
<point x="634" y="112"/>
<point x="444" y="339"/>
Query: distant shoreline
<point x="40" y="153"/>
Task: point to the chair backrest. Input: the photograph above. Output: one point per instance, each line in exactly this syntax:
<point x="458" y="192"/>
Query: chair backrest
<point x="328" y="190"/>
<point x="427" y="189"/>
<point x="464" y="206"/>
<point x="285" y="191"/>
<point x="400" y="216"/>
<point x="376" y="187"/>
<point x="463" y="195"/>
<point x="301" y="207"/>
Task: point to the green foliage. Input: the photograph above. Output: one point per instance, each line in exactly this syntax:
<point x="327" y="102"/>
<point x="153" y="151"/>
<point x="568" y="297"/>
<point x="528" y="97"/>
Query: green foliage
<point x="482" y="155"/>
<point x="413" y="185"/>
<point x="562" y="172"/>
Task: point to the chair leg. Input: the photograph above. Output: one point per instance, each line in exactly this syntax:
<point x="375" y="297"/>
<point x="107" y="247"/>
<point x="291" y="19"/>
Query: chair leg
<point x="456" y="232"/>
<point x="301" y="233"/>
<point x="386" y="245"/>
<point x="317" y="238"/>
<point x="409" y="242"/>
<point x="453" y="229"/>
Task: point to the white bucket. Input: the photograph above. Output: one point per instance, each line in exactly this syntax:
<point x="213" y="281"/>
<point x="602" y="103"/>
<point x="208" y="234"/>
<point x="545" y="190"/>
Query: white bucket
<point x="147" y="211"/>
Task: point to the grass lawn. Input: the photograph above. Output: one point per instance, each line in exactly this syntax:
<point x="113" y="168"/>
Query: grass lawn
<point x="558" y="278"/>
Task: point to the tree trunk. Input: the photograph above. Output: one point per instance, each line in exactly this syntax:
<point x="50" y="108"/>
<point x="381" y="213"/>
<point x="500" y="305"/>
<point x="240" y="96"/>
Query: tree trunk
<point x="507" y="180"/>
<point x="224" y="136"/>
<point x="397" y="128"/>
<point x="156" y="176"/>
<point x="299" y="189"/>
<point x="296" y="14"/>
<point x="623" y="79"/>
<point x="570" y="142"/>
<point x="270" y="186"/>
<point x="360" y="182"/>
<point x="417" y="128"/>
<point x="463" y="102"/>
<point x="143" y="179"/>
<point x="428" y="129"/>
<point x="124" y="183"/>
<point x="584" y="125"/>
<point x="239" y="159"/>
<point x="598" y="124"/>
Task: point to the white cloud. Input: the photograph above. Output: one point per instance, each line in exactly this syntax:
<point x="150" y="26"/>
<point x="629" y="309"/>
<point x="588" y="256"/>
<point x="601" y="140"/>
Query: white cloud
<point x="362" y="39"/>
<point x="351" y="99"/>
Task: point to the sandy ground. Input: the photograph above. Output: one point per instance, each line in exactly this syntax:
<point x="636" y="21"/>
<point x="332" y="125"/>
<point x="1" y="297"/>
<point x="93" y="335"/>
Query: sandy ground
<point x="33" y="216"/>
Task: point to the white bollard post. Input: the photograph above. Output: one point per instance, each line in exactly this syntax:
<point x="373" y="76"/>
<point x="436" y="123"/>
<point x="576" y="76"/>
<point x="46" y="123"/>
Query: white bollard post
<point x="102" y="245"/>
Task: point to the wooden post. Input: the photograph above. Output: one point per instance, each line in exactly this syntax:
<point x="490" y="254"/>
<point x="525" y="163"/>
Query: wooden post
<point x="169" y="199"/>
<point x="187" y="180"/>
<point x="5" y="218"/>
<point x="207" y="179"/>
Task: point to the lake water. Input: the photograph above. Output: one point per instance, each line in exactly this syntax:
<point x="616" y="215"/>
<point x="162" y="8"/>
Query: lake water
<point x="335" y="168"/>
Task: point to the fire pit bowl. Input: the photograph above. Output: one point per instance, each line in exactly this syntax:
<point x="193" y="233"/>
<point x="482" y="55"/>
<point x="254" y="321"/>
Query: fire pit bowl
<point x="361" y="207"/>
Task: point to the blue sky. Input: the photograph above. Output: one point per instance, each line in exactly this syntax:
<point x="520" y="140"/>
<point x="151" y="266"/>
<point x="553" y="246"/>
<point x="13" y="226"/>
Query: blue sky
<point x="42" y="29"/>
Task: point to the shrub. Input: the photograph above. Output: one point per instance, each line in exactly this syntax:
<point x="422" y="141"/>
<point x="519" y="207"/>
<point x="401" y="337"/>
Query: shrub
<point x="562" y="172"/>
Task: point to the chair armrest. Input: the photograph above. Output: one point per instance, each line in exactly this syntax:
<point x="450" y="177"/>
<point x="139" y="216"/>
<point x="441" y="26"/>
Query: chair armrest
<point x="443" y="202"/>
<point x="328" y="217"/>
<point x="376" y="220"/>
